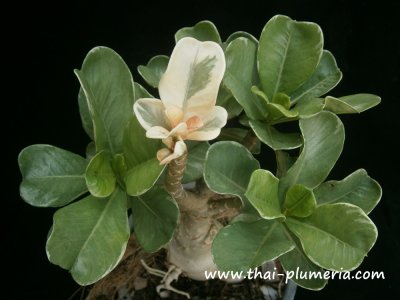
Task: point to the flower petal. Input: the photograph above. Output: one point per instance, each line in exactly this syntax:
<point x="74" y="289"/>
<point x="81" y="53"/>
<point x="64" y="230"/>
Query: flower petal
<point x="213" y="123"/>
<point x="194" y="123"/>
<point x="179" y="150"/>
<point x="169" y="142"/>
<point x="157" y="132"/>
<point x="150" y="113"/>
<point x="193" y="76"/>
<point x="174" y="115"/>
<point x="180" y="130"/>
<point x="163" y="153"/>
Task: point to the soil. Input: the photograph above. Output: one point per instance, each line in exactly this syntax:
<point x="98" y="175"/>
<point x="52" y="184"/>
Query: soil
<point x="130" y="280"/>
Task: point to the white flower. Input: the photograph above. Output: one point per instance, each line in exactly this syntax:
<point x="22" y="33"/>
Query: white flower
<point x="188" y="91"/>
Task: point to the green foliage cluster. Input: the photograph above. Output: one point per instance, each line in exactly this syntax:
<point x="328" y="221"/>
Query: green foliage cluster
<point x="293" y="215"/>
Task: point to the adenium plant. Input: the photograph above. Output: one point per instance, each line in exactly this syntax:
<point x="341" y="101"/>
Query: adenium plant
<point x="219" y="102"/>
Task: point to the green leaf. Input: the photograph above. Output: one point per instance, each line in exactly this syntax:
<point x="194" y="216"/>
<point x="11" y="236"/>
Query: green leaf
<point x="119" y="167"/>
<point x="307" y="107"/>
<point x="295" y="260"/>
<point x="323" y="136"/>
<point x="89" y="237"/>
<point x="281" y="99"/>
<point x="142" y="177"/>
<point x="283" y="161"/>
<point x="141" y="92"/>
<point x="244" y="120"/>
<point x="337" y="106"/>
<point x="238" y="135"/>
<point x="241" y="75"/>
<point x="239" y="34"/>
<point x="90" y="150"/>
<point x="262" y="193"/>
<point x="256" y="91"/>
<point x="278" y="113"/>
<point x="228" y="168"/>
<point x="137" y="147"/>
<point x="51" y="176"/>
<point x="326" y="76"/>
<point x="299" y="201"/>
<point x="154" y="69"/>
<point x="99" y="176"/>
<point x="277" y="110"/>
<point x="357" y="188"/>
<point x="202" y="31"/>
<point x="243" y="246"/>
<point x="227" y="101"/>
<point x="196" y="160"/>
<point x="108" y="87"/>
<point x="275" y="139"/>
<point x="155" y="217"/>
<point x="140" y="157"/>
<point x="336" y="236"/>
<point x="86" y="119"/>
<point x="245" y="217"/>
<point x="351" y="104"/>
<point x="288" y="54"/>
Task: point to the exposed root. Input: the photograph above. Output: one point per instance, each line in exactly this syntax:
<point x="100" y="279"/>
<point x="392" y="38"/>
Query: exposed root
<point x="171" y="275"/>
<point x="153" y="271"/>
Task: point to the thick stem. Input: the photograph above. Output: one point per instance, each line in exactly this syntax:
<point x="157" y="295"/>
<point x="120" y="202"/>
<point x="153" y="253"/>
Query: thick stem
<point x="173" y="180"/>
<point x="190" y="248"/>
<point x="225" y="208"/>
<point x="187" y="200"/>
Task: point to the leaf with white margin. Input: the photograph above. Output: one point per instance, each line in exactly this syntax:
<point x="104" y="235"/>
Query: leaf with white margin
<point x="275" y="139"/>
<point x="51" y="176"/>
<point x="242" y="246"/>
<point x="155" y="217"/>
<point x="153" y="71"/>
<point x="336" y="237"/>
<point x="295" y="260"/>
<point x="141" y="92"/>
<point x="241" y="75"/>
<point x="99" y="175"/>
<point x="357" y="188"/>
<point x="351" y="104"/>
<point x="288" y="53"/>
<point x="323" y="136"/>
<point x="89" y="237"/>
<point x="195" y="162"/>
<point x="238" y="135"/>
<point x="325" y="77"/>
<point x="109" y="92"/>
<point x="202" y="31"/>
<point x="308" y="107"/>
<point x="228" y="169"/>
<point x="239" y="34"/>
<point x="299" y="201"/>
<point x="228" y="101"/>
<point x="262" y="193"/>
<point x="141" y="159"/>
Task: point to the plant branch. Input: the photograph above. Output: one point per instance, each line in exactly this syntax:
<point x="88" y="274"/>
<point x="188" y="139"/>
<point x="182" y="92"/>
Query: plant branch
<point x="224" y="207"/>
<point x="173" y="180"/>
<point x="187" y="200"/>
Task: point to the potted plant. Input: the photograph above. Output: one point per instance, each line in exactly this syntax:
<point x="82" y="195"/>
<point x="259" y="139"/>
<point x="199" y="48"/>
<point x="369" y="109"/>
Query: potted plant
<point x="179" y="171"/>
